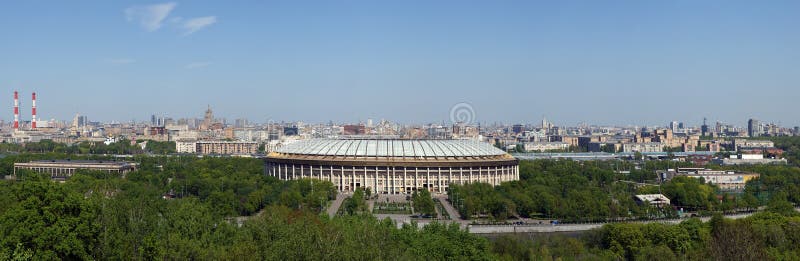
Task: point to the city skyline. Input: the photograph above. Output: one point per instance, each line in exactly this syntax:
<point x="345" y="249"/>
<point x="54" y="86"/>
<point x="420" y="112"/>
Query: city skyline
<point x="598" y="63"/>
<point x="25" y="116"/>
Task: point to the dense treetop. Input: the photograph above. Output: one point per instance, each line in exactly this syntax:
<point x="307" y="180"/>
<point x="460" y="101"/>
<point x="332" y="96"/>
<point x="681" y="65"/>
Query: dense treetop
<point x="210" y="208"/>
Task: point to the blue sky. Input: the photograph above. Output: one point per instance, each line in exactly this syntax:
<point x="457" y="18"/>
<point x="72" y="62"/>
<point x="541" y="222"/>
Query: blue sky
<point x="609" y="62"/>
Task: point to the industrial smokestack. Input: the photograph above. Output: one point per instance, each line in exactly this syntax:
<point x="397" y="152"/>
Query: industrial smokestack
<point x="16" y="111"/>
<point x="33" y="112"/>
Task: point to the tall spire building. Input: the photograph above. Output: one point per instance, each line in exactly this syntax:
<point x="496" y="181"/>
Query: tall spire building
<point x="208" y="119"/>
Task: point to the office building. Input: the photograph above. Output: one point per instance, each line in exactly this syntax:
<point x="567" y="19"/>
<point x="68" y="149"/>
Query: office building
<point x="754" y="128"/>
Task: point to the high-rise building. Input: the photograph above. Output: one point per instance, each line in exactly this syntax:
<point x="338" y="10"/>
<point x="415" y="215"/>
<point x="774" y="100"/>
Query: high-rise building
<point x="518" y="128"/>
<point x="82" y="121"/>
<point x="157" y="121"/>
<point x="674" y="126"/>
<point x="208" y="119"/>
<point x="754" y="128"/>
<point x="241" y="123"/>
<point x="704" y="128"/>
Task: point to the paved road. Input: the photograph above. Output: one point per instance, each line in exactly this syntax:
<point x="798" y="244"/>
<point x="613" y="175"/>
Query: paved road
<point x="548" y="228"/>
<point x="370" y="205"/>
<point x="497" y="229"/>
<point x="450" y="209"/>
<point x="334" y="207"/>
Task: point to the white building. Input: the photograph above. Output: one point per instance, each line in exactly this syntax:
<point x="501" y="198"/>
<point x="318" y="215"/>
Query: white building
<point x="749" y="156"/>
<point x="643" y="147"/>
<point x="545" y="146"/>
<point x="748" y="159"/>
<point x="110" y="140"/>
<point x="653" y="199"/>
<point x="724" y="179"/>
<point x="186" y="146"/>
<point x="745" y="143"/>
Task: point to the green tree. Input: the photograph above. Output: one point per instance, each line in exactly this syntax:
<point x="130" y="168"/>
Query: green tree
<point x="779" y="204"/>
<point x="356" y="204"/>
<point x="624" y="239"/>
<point x="49" y="220"/>
<point x="423" y="203"/>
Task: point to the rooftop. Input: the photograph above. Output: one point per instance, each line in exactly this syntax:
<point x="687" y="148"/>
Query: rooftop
<point x="92" y="162"/>
<point x="88" y="164"/>
<point x="391" y="148"/>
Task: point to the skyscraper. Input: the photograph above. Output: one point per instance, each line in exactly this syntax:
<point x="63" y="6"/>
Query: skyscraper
<point x="674" y="126"/>
<point x="546" y="124"/>
<point x="704" y="128"/>
<point x="83" y="121"/>
<point x="518" y="128"/>
<point x="754" y="128"/>
<point x="208" y="119"/>
<point x="240" y="123"/>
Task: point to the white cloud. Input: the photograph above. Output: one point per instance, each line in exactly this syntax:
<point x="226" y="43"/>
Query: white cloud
<point x="193" y="25"/>
<point x="150" y="17"/>
<point x="197" y="65"/>
<point x="121" y="61"/>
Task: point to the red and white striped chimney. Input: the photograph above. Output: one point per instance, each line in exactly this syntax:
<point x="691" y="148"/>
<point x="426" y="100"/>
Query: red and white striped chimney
<point x="33" y="112"/>
<point x="16" y="111"/>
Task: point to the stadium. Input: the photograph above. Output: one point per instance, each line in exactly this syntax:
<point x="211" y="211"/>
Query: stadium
<point x="393" y="166"/>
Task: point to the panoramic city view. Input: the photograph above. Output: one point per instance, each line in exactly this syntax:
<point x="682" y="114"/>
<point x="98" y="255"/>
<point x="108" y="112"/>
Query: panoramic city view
<point x="399" y="130"/>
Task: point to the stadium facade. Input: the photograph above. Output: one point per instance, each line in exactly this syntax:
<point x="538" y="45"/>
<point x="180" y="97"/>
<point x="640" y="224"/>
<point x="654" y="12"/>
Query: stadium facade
<point x="393" y="166"/>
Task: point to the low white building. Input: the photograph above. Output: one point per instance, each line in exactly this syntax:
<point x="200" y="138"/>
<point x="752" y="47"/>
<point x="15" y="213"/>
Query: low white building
<point x="545" y="146"/>
<point x="186" y="146"/>
<point x="749" y="156"/>
<point x="110" y="140"/>
<point x="748" y="159"/>
<point x="746" y="143"/>
<point x="727" y="180"/>
<point x="653" y="199"/>
<point x="25" y="136"/>
<point x="643" y="147"/>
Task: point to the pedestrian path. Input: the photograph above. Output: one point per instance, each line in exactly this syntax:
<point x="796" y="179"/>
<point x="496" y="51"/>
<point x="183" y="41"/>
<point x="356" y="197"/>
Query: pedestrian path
<point x="336" y="204"/>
